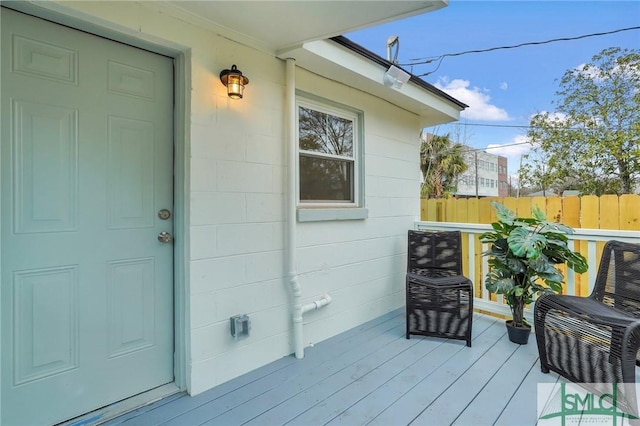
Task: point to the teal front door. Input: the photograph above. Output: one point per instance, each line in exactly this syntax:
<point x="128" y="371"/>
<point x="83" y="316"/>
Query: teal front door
<point x="86" y="173"/>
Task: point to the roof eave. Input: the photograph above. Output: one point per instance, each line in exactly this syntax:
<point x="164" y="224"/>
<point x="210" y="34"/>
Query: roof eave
<point x="342" y="60"/>
<point x="349" y="44"/>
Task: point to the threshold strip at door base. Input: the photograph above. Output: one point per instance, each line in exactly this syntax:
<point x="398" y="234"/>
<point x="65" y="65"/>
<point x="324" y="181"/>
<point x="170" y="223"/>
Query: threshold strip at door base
<point x="119" y="408"/>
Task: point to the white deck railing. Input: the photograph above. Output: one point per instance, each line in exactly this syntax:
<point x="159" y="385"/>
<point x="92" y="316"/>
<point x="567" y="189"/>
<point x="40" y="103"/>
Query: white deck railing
<point x="471" y="231"/>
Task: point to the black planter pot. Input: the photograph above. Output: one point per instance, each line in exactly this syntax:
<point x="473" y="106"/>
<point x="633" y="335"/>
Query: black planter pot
<point x="519" y="335"/>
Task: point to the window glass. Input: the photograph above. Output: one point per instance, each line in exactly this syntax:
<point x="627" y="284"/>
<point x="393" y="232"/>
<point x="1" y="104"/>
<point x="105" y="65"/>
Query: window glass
<point x="325" y="133"/>
<point x="323" y="179"/>
<point x="327" y="154"/>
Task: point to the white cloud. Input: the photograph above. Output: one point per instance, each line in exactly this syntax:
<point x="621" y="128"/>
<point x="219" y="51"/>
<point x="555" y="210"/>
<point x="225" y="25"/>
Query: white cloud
<point x="480" y="107"/>
<point x="590" y="72"/>
<point x="504" y="85"/>
<point x="599" y="76"/>
<point x="513" y="150"/>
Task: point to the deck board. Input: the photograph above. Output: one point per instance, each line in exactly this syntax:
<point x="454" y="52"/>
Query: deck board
<point x="372" y="375"/>
<point x="523" y="402"/>
<point x="313" y="368"/>
<point x="247" y="387"/>
<point x="455" y="399"/>
<point x="436" y="353"/>
<point x="411" y="405"/>
<point x="489" y="403"/>
<point x="361" y="378"/>
<point x="328" y="383"/>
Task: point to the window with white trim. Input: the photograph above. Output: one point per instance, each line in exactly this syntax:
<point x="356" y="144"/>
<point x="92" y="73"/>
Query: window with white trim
<point x="328" y="155"/>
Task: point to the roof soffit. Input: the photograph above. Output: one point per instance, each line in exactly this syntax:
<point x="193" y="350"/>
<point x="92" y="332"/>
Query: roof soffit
<point x="278" y="25"/>
<point x="339" y="63"/>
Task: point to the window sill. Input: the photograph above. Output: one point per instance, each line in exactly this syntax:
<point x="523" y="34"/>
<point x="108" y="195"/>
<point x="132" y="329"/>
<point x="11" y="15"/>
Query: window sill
<point x="319" y="215"/>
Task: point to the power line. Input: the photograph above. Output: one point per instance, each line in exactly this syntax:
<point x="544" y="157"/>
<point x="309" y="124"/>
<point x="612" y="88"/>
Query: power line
<point x="506" y="145"/>
<point x="428" y="60"/>
<point x="471" y="149"/>
<point x="519" y="126"/>
<point x="522" y="126"/>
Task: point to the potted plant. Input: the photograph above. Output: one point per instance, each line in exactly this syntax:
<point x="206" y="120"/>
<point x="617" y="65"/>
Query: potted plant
<point x="523" y="255"/>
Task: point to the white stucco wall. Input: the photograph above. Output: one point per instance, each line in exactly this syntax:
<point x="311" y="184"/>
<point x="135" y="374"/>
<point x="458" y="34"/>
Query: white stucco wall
<point x="237" y="202"/>
<point x="361" y="263"/>
<point x="236" y="197"/>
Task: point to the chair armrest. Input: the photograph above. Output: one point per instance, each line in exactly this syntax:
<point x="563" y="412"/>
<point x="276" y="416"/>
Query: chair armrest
<point x="587" y="309"/>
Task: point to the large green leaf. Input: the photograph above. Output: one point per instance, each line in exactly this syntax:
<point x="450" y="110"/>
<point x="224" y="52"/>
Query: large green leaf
<point x="558" y="228"/>
<point x="502" y="213"/>
<point x="554" y="286"/>
<point x="556" y="238"/>
<point x="540" y="264"/>
<point x="525" y="221"/>
<point x="538" y="214"/>
<point x="552" y="275"/>
<point x="489" y="237"/>
<point x="515" y="265"/>
<point x="501" y="228"/>
<point x="525" y="243"/>
<point x="499" y="281"/>
<point x="577" y="262"/>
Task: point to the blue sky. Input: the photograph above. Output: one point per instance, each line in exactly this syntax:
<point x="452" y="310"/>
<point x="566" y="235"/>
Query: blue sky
<point x="504" y="87"/>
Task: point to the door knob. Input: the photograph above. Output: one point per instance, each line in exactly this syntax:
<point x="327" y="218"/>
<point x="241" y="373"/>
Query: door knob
<point x="165" y="237"/>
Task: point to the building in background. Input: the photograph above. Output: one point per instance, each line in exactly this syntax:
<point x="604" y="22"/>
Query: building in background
<point x="503" y="177"/>
<point x="486" y="176"/>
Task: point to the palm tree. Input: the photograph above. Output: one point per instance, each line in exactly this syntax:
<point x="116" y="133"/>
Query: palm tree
<point x="441" y="162"/>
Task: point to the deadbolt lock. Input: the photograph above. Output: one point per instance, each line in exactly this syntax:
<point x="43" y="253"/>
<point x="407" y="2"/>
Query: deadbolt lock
<point x="164" y="214"/>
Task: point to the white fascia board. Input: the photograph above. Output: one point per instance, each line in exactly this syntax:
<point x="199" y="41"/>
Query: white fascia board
<point x="338" y="63"/>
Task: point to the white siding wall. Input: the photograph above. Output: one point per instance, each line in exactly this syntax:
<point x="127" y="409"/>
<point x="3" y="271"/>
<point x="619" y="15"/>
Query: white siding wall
<point x="236" y="176"/>
<point x="361" y="263"/>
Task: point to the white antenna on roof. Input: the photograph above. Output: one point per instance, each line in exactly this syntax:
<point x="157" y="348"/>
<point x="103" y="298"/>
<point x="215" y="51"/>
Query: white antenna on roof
<point x="393" y="40"/>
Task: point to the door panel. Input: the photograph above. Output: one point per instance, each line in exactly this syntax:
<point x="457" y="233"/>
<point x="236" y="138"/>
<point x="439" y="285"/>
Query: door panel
<point x="47" y="339"/>
<point x="86" y="162"/>
<point x="45" y="180"/>
<point x="130" y="172"/>
<point x="131" y="307"/>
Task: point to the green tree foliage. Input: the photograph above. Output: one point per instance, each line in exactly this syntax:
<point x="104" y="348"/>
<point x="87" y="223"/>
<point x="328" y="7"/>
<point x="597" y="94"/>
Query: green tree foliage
<point x="592" y="141"/>
<point x="441" y="162"/>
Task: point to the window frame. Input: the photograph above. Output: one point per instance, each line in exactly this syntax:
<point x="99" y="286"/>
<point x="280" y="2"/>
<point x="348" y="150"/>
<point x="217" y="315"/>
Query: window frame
<point x="331" y="209"/>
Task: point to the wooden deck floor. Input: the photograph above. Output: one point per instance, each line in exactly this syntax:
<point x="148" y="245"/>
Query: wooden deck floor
<point x="372" y="375"/>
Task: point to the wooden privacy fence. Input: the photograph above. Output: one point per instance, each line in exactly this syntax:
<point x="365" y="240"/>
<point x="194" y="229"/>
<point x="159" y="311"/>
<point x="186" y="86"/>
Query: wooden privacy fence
<point x="595" y="220"/>
<point x="604" y="212"/>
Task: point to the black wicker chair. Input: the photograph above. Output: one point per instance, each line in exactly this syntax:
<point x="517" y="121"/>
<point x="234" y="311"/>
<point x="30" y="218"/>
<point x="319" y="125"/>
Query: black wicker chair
<point x="596" y="339"/>
<point x="439" y="297"/>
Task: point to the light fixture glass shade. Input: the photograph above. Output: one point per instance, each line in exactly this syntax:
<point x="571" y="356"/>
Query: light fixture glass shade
<point x="234" y="81"/>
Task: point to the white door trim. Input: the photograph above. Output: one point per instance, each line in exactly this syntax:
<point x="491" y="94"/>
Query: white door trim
<point x="182" y="82"/>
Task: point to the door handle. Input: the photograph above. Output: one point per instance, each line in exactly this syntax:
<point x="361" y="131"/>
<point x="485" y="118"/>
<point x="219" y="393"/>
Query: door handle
<point x="165" y="237"/>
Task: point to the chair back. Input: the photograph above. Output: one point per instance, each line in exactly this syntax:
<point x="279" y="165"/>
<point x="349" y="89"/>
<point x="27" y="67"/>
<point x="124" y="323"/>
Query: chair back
<point x="618" y="280"/>
<point x="435" y="254"/>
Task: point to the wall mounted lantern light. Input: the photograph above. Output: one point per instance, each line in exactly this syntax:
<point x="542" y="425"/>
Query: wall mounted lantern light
<point x="235" y="82"/>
